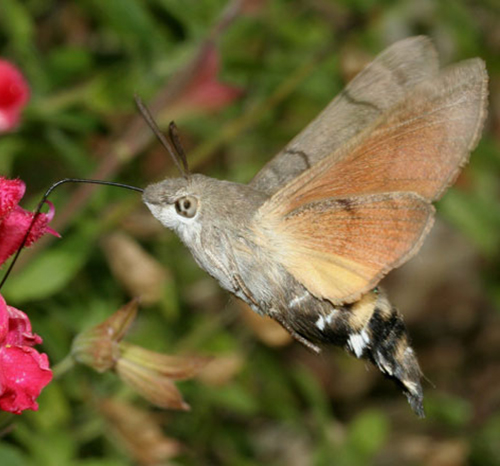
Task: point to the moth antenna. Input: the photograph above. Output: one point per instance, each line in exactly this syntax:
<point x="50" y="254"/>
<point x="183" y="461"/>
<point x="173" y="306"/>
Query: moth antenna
<point x="42" y="202"/>
<point x="173" y="132"/>
<point x="146" y="114"/>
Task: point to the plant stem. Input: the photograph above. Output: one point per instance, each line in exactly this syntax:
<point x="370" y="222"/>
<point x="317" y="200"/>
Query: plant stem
<point x="63" y="366"/>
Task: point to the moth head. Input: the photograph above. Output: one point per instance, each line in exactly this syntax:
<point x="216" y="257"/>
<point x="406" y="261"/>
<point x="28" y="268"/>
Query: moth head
<point x="174" y="202"/>
<point x="196" y="203"/>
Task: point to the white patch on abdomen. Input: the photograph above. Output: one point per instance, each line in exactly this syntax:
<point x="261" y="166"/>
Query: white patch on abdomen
<point x="358" y="342"/>
<point x="323" y="321"/>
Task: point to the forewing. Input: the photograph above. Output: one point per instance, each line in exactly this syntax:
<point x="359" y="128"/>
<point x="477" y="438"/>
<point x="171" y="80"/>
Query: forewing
<point x="375" y="89"/>
<point x="348" y="220"/>
<point x="340" y="248"/>
<point x="418" y="146"/>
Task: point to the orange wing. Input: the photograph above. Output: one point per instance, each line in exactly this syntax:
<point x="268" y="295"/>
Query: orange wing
<point x="340" y="248"/>
<point x="373" y="91"/>
<point x="345" y="222"/>
<point x="419" y="145"/>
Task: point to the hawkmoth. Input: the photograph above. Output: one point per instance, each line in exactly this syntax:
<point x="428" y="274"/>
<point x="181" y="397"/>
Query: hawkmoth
<point x="307" y="241"/>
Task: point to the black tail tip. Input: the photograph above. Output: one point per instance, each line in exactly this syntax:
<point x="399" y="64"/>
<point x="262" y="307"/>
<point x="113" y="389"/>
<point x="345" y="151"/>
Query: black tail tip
<point x="416" y="401"/>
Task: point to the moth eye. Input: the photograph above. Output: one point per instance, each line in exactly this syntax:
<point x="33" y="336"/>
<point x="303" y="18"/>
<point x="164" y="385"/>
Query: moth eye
<point x="186" y="206"/>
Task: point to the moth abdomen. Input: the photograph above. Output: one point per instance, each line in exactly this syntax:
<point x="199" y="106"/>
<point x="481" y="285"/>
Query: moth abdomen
<point x="390" y="351"/>
<point x="370" y="328"/>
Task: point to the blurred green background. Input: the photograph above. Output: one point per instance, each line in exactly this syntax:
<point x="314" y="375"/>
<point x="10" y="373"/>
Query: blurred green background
<point x="240" y="79"/>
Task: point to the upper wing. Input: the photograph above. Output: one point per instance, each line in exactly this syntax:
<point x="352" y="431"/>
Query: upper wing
<point x="418" y="146"/>
<point x="375" y="89"/>
<point x="340" y="248"/>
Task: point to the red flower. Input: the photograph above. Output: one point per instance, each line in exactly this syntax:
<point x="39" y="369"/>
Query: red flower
<point x="205" y="91"/>
<point x="23" y="370"/>
<point x="202" y="92"/>
<point x="14" y="93"/>
<point x="14" y="221"/>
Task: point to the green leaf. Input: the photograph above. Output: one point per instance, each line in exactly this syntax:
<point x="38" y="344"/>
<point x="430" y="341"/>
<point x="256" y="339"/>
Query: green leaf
<point x="368" y="433"/>
<point x="12" y="456"/>
<point x="479" y="219"/>
<point x="314" y="394"/>
<point x="10" y="146"/>
<point x="47" y="448"/>
<point x="18" y="23"/>
<point x="132" y="22"/>
<point x="453" y="411"/>
<point x="485" y="444"/>
<point x="99" y="462"/>
<point x="49" y="272"/>
<point x="20" y="28"/>
<point x="235" y="398"/>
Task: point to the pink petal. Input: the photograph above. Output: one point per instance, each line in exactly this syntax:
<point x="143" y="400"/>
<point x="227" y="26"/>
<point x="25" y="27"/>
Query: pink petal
<point x="14" y="93"/>
<point x="25" y="372"/>
<point x="252" y="7"/>
<point x="11" y="192"/>
<point x="50" y="215"/>
<point x="20" y="329"/>
<point x="205" y="92"/>
<point x="13" y="229"/>
<point x="211" y="95"/>
<point x="4" y="320"/>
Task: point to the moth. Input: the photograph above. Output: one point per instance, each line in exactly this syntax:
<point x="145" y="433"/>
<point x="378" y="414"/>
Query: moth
<point x="347" y="200"/>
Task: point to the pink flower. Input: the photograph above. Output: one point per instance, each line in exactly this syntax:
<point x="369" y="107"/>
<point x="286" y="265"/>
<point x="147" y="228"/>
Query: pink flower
<point x="14" y="93"/>
<point x="253" y="7"/>
<point x="23" y="370"/>
<point x="202" y="91"/>
<point x="14" y="221"/>
<point x="205" y="90"/>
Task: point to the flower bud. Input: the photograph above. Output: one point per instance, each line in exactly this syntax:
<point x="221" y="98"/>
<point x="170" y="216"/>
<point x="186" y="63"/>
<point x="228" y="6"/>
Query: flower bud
<point x="151" y="374"/>
<point x="98" y="346"/>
